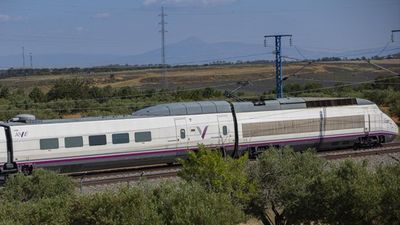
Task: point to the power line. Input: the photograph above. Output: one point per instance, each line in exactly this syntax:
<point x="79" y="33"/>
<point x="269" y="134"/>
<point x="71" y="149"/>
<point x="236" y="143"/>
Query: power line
<point x="383" y="49"/>
<point x="301" y="54"/>
<point x="223" y="58"/>
<point x="343" y="85"/>
<point x="30" y="59"/>
<point x="163" y="31"/>
<point x="23" y="57"/>
<point x="383" y="68"/>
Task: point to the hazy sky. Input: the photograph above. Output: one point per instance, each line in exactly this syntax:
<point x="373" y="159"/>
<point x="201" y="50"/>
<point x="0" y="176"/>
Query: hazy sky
<point x="131" y="26"/>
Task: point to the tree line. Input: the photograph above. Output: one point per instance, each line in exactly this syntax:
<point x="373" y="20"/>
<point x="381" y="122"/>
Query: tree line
<point x="112" y="68"/>
<point x="79" y="96"/>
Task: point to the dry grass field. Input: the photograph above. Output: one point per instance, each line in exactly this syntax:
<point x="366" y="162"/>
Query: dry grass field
<point x="224" y="77"/>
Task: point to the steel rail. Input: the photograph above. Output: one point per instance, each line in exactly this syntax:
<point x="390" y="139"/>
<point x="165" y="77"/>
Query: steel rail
<point x="386" y="149"/>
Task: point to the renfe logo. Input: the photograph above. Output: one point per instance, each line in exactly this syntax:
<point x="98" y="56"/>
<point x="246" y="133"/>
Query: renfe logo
<point x="202" y="133"/>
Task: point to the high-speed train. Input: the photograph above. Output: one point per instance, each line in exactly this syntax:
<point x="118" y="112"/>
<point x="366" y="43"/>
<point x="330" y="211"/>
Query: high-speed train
<point x="161" y="133"/>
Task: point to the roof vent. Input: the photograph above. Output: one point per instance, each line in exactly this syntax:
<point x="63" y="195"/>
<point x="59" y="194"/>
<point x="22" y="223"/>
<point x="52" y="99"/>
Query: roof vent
<point x="23" y="118"/>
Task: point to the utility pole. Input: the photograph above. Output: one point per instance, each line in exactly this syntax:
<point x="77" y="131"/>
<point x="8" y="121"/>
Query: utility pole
<point x="394" y="31"/>
<point x="23" y="57"/>
<point x="163" y="31"/>
<point x="278" y="61"/>
<point x="30" y="59"/>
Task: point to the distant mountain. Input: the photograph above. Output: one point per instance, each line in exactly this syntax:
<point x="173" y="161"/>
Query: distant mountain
<point x="57" y="60"/>
<point x="189" y="51"/>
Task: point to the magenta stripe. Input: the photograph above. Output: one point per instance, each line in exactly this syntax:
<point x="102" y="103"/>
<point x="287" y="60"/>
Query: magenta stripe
<point x="74" y="159"/>
<point x="166" y="151"/>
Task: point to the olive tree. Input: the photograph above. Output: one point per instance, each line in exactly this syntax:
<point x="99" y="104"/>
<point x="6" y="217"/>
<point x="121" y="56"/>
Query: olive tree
<point x="283" y="177"/>
<point x="219" y="174"/>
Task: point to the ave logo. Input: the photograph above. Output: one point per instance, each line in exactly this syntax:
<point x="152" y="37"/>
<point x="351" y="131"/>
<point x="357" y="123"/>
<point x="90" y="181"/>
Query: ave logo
<point x="202" y="132"/>
<point x="21" y="134"/>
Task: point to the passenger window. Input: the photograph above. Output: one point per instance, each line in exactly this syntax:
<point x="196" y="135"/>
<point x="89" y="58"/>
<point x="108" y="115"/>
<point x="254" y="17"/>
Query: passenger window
<point x="143" y="136"/>
<point x="120" y="138"/>
<point x="49" y="143"/>
<point x="183" y="133"/>
<point x="97" y="140"/>
<point x="224" y="130"/>
<point x="73" y="142"/>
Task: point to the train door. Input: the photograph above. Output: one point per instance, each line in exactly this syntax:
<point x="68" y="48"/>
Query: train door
<point x="224" y="130"/>
<point x="373" y="120"/>
<point x="181" y="133"/>
<point x="367" y="126"/>
<point x="322" y="127"/>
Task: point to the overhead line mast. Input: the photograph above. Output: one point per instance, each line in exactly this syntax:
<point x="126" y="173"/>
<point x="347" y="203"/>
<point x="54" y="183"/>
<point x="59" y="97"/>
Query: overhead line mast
<point x="278" y="61"/>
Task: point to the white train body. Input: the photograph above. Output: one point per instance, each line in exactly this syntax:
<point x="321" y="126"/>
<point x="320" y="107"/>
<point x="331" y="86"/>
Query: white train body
<point x="327" y="128"/>
<point x="162" y="133"/>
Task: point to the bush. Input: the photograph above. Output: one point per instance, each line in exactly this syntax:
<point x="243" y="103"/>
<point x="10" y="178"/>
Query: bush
<point x="48" y="211"/>
<point x="220" y="175"/>
<point x="42" y="184"/>
<point x="167" y="203"/>
<point x="389" y="185"/>
<point x="190" y="203"/>
<point x="133" y="206"/>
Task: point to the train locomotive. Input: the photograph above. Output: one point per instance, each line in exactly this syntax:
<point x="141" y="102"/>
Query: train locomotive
<point x="162" y="133"/>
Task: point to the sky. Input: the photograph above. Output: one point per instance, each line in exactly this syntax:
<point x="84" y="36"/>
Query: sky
<point x="131" y="27"/>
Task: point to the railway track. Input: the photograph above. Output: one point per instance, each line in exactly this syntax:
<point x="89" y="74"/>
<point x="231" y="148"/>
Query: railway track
<point x="126" y="175"/>
<point x="350" y="153"/>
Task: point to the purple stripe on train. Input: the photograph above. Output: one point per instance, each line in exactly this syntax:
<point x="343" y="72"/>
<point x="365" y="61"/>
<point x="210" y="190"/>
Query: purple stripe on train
<point x="166" y="151"/>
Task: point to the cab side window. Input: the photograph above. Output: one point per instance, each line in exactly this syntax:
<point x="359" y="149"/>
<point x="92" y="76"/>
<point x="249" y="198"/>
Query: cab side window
<point x="224" y="130"/>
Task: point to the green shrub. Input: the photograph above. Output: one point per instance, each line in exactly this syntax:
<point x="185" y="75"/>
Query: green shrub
<point x="48" y="211"/>
<point x="190" y="203"/>
<point x="130" y="206"/>
<point x="219" y="174"/>
<point x="42" y="184"/>
<point x="389" y="185"/>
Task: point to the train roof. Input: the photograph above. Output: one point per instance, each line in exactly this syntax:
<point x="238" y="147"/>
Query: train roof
<point x="185" y="108"/>
<point x="207" y="107"/>
<point x="297" y="103"/>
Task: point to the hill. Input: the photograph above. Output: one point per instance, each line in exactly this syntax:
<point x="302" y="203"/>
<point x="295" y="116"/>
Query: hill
<point x="189" y="51"/>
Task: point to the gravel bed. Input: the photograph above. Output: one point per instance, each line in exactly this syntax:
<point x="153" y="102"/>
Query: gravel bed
<point x="374" y="160"/>
<point x="117" y="186"/>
